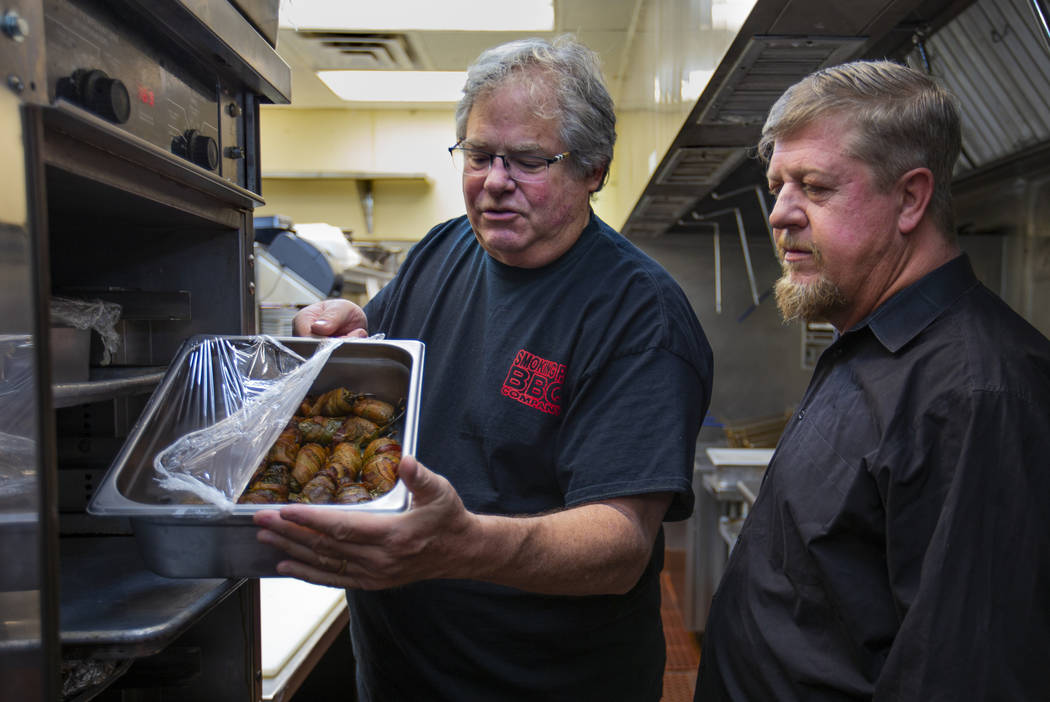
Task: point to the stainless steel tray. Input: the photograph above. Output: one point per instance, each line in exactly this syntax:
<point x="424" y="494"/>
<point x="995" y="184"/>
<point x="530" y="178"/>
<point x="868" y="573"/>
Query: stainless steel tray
<point x="199" y="541"/>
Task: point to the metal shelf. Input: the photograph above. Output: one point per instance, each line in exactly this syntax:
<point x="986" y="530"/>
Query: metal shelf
<point x="343" y="175"/>
<point x="107" y="383"/>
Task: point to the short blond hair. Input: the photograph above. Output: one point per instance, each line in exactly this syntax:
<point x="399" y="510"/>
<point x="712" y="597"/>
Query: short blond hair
<point x="902" y="120"/>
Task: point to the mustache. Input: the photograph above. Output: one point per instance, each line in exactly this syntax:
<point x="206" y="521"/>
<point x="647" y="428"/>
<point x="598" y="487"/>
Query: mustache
<point x="787" y="242"/>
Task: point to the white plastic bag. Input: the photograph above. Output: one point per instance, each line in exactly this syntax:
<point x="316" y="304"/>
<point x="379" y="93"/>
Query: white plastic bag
<point x="90" y="314"/>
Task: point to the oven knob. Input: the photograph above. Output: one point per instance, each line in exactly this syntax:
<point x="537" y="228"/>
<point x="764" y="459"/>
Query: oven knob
<point x="97" y="92"/>
<point x="199" y="148"/>
<point x="203" y="150"/>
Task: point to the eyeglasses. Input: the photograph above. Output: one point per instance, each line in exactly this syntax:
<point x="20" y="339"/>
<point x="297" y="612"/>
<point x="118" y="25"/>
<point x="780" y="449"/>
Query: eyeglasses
<point x="523" y="168"/>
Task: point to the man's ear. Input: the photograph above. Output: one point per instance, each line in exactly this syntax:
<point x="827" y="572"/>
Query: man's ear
<point x="916" y="190"/>
<point x="597" y="180"/>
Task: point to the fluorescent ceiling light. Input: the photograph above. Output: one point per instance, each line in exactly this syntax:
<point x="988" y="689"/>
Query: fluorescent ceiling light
<point x="405" y="15"/>
<point x="395" y="86"/>
<point x="730" y="14"/>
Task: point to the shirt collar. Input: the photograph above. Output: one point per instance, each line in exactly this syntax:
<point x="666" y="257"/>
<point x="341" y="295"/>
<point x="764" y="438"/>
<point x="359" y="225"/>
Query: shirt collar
<point x="901" y="318"/>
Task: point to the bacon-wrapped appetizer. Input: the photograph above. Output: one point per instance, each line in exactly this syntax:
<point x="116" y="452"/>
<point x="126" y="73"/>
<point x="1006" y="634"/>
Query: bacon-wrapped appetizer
<point x="379" y="471"/>
<point x="319" y="491"/>
<point x="320" y="430"/>
<point x="382" y="413"/>
<point x="337" y="448"/>
<point x="260" y="497"/>
<point x="270" y="487"/>
<point x="334" y="403"/>
<point x="344" y="462"/>
<point x="383" y="444"/>
<point x="352" y="494"/>
<point x="309" y="462"/>
<point x="357" y="429"/>
<point x="285" y="449"/>
<point x="341" y="402"/>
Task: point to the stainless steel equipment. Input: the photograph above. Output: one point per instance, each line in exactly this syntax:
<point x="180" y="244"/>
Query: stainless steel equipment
<point x="725" y="483"/>
<point x="130" y="150"/>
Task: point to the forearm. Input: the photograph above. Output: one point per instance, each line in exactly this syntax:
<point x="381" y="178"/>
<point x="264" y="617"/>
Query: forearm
<point x="599" y="548"/>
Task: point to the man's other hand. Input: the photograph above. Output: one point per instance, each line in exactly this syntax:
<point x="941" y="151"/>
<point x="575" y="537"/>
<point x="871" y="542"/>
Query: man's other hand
<point x="336" y="317"/>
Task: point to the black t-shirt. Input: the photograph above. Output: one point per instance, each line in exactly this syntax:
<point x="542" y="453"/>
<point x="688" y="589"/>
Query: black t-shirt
<point x="899" y="548"/>
<point x="544" y="388"/>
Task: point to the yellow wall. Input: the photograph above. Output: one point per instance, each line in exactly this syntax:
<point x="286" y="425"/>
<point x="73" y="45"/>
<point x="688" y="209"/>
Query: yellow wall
<point x="391" y="142"/>
<point x="677" y="44"/>
<point x="395" y="143"/>
<point x="641" y="141"/>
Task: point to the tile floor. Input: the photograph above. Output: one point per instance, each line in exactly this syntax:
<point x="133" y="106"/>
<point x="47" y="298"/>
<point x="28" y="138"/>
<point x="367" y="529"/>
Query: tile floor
<point x="683" y="650"/>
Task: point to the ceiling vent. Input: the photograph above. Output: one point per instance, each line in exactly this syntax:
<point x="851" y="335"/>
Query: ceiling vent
<point x="360" y="50"/>
<point x="767" y="67"/>
<point x="699" y="165"/>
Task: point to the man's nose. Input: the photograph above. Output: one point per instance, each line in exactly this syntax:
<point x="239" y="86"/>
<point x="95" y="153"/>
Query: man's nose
<point x="498" y="176"/>
<point x="787" y="212"/>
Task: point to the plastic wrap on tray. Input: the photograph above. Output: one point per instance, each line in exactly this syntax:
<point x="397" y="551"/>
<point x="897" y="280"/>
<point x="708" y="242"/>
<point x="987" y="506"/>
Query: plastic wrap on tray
<point x="210" y="412"/>
<point x="233" y="400"/>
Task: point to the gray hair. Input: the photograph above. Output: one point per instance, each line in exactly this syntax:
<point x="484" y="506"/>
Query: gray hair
<point x="584" y="107"/>
<point x="902" y="120"/>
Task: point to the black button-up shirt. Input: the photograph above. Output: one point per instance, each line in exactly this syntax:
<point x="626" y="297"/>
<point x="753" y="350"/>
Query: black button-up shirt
<point x="899" y="548"/>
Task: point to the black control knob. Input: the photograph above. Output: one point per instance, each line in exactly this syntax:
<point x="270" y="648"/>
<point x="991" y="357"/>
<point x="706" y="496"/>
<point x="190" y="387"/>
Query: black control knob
<point x="203" y="150"/>
<point x="95" y="91"/>
<point x="199" y="148"/>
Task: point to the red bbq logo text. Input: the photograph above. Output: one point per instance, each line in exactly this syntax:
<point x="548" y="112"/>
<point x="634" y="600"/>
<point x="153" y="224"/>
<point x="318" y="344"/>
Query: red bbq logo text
<point x="535" y="382"/>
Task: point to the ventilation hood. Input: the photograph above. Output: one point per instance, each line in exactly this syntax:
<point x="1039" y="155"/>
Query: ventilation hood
<point x="995" y="57"/>
<point x="994" y="54"/>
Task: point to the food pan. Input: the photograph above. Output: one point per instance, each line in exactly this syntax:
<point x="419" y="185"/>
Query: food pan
<point x="178" y="538"/>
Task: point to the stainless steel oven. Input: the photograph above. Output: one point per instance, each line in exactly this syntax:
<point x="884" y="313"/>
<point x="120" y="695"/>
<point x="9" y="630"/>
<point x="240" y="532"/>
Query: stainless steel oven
<point x="130" y="149"/>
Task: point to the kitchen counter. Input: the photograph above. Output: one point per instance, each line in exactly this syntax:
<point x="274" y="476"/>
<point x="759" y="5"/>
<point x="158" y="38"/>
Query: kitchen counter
<point x="299" y="622"/>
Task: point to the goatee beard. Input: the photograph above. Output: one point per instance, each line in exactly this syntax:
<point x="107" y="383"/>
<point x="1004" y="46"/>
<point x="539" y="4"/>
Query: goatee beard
<point x="812" y="302"/>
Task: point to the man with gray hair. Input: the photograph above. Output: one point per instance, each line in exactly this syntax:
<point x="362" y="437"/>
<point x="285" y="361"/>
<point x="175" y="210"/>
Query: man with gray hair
<point x="566" y="379"/>
<point x="899" y="548"/>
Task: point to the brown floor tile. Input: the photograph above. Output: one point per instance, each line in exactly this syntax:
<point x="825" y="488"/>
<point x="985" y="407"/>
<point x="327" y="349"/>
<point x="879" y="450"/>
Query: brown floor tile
<point x="683" y="651"/>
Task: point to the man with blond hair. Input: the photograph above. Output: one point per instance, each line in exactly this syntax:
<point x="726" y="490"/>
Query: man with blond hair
<point x="899" y="548"/>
